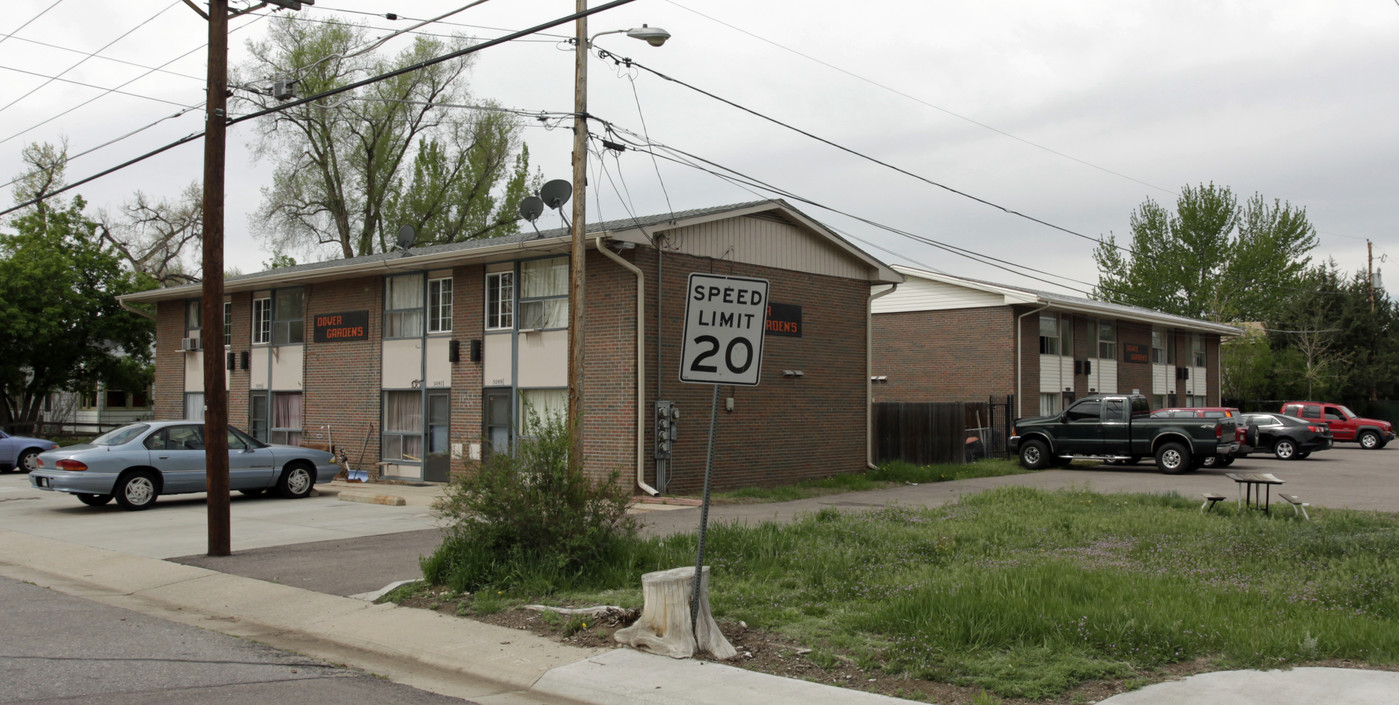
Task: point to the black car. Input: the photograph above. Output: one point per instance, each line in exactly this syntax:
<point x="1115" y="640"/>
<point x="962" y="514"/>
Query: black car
<point x="1288" y="437"/>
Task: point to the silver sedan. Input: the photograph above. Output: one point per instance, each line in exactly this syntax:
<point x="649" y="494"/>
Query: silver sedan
<point x="139" y="462"/>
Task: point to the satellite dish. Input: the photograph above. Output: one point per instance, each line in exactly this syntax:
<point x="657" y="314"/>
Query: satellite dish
<point x="407" y="237"/>
<point x="556" y="193"/>
<point x="531" y="207"/>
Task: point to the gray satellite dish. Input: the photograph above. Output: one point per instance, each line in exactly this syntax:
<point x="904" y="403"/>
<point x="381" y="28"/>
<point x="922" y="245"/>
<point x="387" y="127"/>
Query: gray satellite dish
<point x="407" y="237"/>
<point x="531" y="207"/>
<point x="556" y="193"/>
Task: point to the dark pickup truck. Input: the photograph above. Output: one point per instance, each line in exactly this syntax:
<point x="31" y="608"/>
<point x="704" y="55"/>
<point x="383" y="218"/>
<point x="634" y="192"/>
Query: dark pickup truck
<point x="1119" y="428"/>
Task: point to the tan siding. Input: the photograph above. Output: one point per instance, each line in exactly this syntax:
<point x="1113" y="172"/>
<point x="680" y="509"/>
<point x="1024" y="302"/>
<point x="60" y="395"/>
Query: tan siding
<point x="924" y="295"/>
<point x="765" y="243"/>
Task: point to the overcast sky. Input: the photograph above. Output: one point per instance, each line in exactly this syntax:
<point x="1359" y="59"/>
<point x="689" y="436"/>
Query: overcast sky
<point x="1070" y="113"/>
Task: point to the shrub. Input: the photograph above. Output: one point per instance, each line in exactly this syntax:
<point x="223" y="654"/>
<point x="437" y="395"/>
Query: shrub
<point x="524" y="521"/>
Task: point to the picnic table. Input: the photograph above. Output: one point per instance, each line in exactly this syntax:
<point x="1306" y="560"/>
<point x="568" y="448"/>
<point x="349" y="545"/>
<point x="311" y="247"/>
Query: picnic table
<point x="1255" y="488"/>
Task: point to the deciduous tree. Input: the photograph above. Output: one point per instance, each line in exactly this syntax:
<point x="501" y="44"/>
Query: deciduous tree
<point x="342" y="180"/>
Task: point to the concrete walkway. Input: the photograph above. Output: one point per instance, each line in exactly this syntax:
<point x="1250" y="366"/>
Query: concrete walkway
<point x="489" y="664"/>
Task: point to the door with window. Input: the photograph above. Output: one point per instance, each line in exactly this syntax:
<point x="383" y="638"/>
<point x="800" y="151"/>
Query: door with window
<point x="437" y="465"/>
<point x="498" y="420"/>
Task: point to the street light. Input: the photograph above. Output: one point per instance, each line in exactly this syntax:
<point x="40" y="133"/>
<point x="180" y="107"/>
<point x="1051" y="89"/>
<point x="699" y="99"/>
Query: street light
<point x="654" y="36"/>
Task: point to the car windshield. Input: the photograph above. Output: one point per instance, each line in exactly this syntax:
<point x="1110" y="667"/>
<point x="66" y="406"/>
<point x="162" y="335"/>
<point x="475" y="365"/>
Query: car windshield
<point x="1346" y="410"/>
<point x="120" y="436"/>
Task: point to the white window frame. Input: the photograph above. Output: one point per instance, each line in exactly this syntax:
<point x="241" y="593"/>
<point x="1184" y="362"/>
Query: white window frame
<point x="287" y="330"/>
<point x="279" y="431"/>
<point x="1108" y="344"/>
<point x="549" y="309"/>
<point x="1197" y="350"/>
<point x="228" y="324"/>
<point x="262" y="320"/>
<point x="407" y="322"/>
<point x="395" y="445"/>
<point x="1057" y="347"/>
<point x="500" y="300"/>
<point x="439" y="305"/>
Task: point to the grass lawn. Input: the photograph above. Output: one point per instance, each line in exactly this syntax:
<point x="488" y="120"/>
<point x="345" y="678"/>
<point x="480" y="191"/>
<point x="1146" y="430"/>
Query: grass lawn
<point x="1027" y="593"/>
<point x="888" y="475"/>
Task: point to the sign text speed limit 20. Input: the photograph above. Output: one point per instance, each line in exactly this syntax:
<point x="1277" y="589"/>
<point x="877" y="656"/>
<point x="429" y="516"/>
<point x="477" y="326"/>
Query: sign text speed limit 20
<point x="724" y="322"/>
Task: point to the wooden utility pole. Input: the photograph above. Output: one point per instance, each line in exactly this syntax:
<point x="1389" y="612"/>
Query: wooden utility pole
<point x="215" y="394"/>
<point x="580" y="250"/>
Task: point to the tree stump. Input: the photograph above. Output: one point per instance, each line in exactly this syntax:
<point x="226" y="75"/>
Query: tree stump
<point x="664" y="626"/>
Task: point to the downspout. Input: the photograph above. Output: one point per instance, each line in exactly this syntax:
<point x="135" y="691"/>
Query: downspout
<point x="1019" y="361"/>
<point x="641" y="414"/>
<point x="869" y="371"/>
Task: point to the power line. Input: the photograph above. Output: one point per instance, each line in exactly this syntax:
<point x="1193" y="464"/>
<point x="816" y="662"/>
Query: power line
<point x="920" y="101"/>
<point x="332" y="92"/>
<point x="89" y="85"/>
<point x="99" y="56"/>
<point x="29" y="21"/>
<point x="106" y="46"/>
<point x="396" y="16"/>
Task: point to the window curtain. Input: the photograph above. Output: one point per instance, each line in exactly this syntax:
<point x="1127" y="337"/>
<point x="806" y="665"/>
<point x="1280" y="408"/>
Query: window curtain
<point x="544" y="277"/>
<point x="403" y="425"/>
<point x="287" y="410"/>
<point x="548" y="313"/>
<point x="194" y="406"/>
<point x="541" y="406"/>
<point x="403" y="297"/>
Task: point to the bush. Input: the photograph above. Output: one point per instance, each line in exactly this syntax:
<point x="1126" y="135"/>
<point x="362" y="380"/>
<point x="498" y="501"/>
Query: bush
<point x="524" y="521"/>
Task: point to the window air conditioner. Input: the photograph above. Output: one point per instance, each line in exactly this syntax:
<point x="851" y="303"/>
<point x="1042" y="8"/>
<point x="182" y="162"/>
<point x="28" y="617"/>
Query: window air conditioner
<point x="189" y="344"/>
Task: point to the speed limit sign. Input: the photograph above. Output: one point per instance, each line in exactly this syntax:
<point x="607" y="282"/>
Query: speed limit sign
<point x="724" y="322"/>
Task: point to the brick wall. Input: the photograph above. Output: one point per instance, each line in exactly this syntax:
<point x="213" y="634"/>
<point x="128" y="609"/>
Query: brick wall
<point x="783" y="429"/>
<point x="468" y="323"/>
<point x="939" y="356"/>
<point x="169" y="360"/>
<point x="1133" y="375"/>
<point x="341" y="380"/>
<point x="239" y="342"/>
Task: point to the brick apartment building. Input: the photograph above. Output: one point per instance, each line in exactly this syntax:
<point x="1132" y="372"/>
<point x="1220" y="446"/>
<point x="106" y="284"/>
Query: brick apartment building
<point x="939" y="337"/>
<point x="416" y="361"/>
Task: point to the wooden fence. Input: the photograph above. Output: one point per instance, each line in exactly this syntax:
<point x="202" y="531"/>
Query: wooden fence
<point x="933" y="433"/>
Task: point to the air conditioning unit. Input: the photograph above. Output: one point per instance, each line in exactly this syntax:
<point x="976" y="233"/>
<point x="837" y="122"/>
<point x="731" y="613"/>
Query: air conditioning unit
<point x="189" y="344"/>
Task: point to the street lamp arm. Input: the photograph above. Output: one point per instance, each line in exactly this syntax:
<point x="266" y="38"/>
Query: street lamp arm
<point x="655" y="36"/>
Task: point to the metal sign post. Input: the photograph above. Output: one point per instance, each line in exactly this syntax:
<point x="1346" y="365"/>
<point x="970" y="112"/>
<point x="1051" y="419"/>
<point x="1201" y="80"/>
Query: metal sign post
<point x="725" y="318"/>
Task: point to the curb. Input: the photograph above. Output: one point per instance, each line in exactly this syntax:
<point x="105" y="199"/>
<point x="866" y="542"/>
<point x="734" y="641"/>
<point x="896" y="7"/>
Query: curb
<point x="390" y="500"/>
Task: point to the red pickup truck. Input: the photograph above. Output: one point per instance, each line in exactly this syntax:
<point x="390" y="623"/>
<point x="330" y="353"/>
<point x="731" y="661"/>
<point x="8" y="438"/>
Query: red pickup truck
<point x="1371" y="434"/>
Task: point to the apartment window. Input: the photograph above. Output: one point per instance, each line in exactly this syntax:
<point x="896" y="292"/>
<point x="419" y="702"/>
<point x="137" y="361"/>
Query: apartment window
<point x="1049" y="404"/>
<point x="192" y="315"/>
<point x="500" y="301"/>
<point x="403" y="426"/>
<point x="1049" y="335"/>
<point x="1107" y="341"/>
<point x="544" y="293"/>
<point x="439" y="305"/>
<point x="262" y="321"/>
<point x="288" y="318"/>
<point x="227" y="323"/>
<point x="403" y="306"/>
<point x="541" y="406"/>
<point x="140" y="400"/>
<point x="1158" y="346"/>
<point x="1197" y="350"/>
<point x="116" y="400"/>
<point x="286" y="418"/>
<point x="194" y="406"/>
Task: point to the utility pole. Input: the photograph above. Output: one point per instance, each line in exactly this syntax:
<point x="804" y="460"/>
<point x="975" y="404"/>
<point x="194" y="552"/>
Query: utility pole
<point x="211" y="314"/>
<point x="580" y="250"/>
<point x="215" y="395"/>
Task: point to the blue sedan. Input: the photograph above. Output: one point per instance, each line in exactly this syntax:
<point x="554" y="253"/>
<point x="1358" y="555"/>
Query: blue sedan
<point x="20" y="453"/>
<point x="139" y="462"/>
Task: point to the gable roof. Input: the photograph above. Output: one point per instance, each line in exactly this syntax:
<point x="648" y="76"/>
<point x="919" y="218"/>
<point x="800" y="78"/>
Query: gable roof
<point x="1007" y="295"/>
<point x="557" y="241"/>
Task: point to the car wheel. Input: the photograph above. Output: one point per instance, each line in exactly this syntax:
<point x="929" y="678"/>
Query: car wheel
<point x="1211" y="461"/>
<point x="1369" y="440"/>
<point x="296" y="482"/>
<point x="1285" y="449"/>
<point x="253" y="493"/>
<point x="1172" y="458"/>
<point x="1034" y="455"/>
<point x="137" y="490"/>
<point x="94" y="500"/>
<point x="28" y="460"/>
<point x="1225" y="461"/>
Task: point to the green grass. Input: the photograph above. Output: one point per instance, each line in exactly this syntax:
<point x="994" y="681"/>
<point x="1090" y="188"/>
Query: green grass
<point x="888" y="475"/>
<point x="1026" y="593"/>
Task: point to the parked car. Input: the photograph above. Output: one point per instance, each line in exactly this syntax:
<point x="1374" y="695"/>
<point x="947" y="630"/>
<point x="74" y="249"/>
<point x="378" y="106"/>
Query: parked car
<point x="21" y="453"/>
<point x="1371" y="434"/>
<point x="1246" y="434"/>
<point x="137" y="463"/>
<point x="1288" y="437"/>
